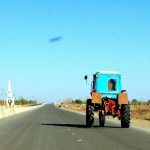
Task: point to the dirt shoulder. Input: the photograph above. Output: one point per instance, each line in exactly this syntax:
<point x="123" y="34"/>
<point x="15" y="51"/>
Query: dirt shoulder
<point x="140" y="119"/>
<point x="7" y="111"/>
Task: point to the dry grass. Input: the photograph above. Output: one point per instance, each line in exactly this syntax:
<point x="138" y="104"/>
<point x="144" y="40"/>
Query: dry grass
<point x="141" y="112"/>
<point x="137" y="112"/>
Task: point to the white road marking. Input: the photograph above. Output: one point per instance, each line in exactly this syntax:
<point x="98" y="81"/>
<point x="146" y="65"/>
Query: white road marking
<point x="69" y="129"/>
<point x="79" y="140"/>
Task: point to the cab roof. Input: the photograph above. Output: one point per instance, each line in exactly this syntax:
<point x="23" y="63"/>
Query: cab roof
<point x="109" y="72"/>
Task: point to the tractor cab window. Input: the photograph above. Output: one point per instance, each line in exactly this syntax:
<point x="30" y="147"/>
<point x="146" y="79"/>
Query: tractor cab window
<point x="112" y="85"/>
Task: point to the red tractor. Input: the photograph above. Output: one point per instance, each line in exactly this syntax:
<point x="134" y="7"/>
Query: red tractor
<point x="108" y="98"/>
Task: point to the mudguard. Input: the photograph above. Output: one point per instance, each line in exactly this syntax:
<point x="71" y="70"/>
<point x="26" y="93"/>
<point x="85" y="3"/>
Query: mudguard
<point x="96" y="97"/>
<point x="122" y="98"/>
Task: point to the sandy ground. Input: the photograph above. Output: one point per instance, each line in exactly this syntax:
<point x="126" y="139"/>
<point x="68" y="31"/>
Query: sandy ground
<point x="7" y="111"/>
<point x="136" y="123"/>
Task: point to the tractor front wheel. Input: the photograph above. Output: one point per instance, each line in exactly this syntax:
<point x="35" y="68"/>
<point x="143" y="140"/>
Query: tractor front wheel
<point x="89" y="114"/>
<point x="125" y="120"/>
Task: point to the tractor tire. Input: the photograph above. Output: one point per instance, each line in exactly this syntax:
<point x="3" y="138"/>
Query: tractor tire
<point x="101" y="119"/>
<point x="125" y="120"/>
<point x="89" y="115"/>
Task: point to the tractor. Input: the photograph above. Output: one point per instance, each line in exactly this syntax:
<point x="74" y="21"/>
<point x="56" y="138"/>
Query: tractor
<point x="107" y="98"/>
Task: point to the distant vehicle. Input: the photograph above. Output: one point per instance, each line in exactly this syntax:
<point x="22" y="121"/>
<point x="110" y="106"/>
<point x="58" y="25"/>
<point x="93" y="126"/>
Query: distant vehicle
<point x="108" y="98"/>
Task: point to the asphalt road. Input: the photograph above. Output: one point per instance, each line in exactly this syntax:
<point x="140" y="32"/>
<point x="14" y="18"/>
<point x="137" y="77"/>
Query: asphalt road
<point x="50" y="128"/>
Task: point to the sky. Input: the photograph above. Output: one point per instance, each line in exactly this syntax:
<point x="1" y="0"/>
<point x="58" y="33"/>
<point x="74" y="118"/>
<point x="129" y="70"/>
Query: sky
<point x="91" y="35"/>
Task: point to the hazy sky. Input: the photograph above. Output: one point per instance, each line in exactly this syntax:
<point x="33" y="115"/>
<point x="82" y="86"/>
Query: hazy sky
<point x="93" y="35"/>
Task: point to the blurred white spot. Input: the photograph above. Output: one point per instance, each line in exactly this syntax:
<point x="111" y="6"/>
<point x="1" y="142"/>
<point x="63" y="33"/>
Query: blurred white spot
<point x="79" y="140"/>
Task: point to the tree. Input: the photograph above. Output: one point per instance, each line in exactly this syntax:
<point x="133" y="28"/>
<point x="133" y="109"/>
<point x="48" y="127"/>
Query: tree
<point x="78" y="101"/>
<point x="1" y="102"/>
<point x="69" y="100"/>
<point x="148" y="102"/>
<point x="22" y="101"/>
<point x="134" y="101"/>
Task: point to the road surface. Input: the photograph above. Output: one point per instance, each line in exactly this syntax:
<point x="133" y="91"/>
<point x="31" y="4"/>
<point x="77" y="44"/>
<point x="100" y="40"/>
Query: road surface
<point x="50" y="128"/>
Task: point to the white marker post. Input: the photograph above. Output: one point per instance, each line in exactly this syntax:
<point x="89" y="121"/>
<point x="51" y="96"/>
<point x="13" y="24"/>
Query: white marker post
<point x="9" y="100"/>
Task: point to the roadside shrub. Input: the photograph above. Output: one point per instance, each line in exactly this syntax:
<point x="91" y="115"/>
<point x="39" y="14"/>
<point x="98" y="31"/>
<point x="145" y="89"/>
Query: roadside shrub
<point x="78" y="101"/>
<point x="69" y="101"/>
<point x="148" y="102"/>
<point x="23" y="101"/>
<point x="1" y="102"/>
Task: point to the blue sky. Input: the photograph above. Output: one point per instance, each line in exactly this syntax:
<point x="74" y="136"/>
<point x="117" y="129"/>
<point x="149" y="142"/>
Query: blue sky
<point x="96" y="35"/>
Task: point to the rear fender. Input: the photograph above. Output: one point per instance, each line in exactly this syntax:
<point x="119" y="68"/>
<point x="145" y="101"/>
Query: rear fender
<point x="96" y="97"/>
<point x="123" y="98"/>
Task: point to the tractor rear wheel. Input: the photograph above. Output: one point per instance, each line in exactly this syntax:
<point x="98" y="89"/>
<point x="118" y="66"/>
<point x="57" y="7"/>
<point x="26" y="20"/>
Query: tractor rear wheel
<point x="125" y="120"/>
<point x="101" y="119"/>
<point x="89" y="114"/>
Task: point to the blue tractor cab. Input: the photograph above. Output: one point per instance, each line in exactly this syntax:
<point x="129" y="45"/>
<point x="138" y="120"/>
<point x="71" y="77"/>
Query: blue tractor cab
<point x="108" y="83"/>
